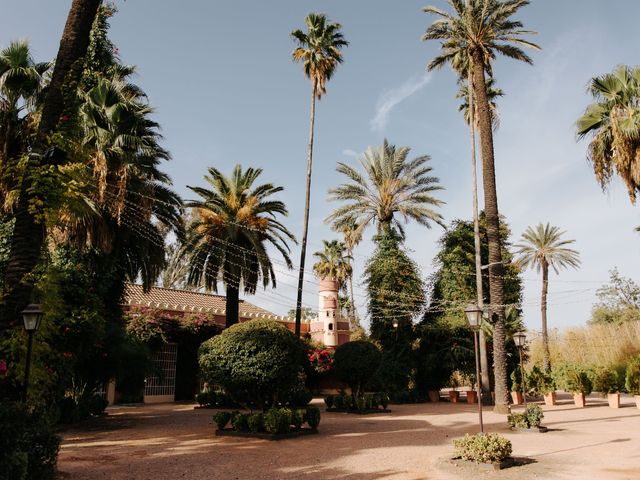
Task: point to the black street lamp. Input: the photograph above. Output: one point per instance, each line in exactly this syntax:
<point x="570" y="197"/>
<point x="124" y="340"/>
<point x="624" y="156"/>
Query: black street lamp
<point x="520" y="339"/>
<point x="31" y="316"/>
<point x="474" y="317"/>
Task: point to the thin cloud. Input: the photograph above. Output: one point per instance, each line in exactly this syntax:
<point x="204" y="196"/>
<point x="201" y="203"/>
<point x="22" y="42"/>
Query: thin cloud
<point x="392" y="97"/>
<point x="349" y="153"/>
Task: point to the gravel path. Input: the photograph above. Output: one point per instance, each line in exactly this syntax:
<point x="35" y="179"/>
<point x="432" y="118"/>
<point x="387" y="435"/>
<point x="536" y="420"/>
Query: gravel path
<point x="173" y="441"/>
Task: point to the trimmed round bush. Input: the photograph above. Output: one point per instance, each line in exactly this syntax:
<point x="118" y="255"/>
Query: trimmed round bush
<point x="605" y="380"/>
<point x="221" y="419"/>
<point x="313" y="417"/>
<point x="297" y="418"/>
<point x="328" y="401"/>
<point x="277" y="421"/>
<point x="257" y="361"/>
<point x="483" y="448"/>
<point x="240" y="422"/>
<point x="574" y="379"/>
<point x="355" y="363"/>
<point x="256" y="422"/>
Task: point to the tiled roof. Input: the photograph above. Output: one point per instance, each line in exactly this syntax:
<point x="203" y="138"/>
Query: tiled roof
<point x="186" y="301"/>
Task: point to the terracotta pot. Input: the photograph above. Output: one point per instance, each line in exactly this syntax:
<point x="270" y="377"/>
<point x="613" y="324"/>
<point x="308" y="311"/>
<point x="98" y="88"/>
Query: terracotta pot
<point x="454" y="396"/>
<point x="517" y="398"/>
<point x="434" y="396"/>
<point x="637" y="399"/>
<point x="578" y="400"/>
<point x="550" y="398"/>
<point x="614" y="400"/>
<point x="472" y="396"/>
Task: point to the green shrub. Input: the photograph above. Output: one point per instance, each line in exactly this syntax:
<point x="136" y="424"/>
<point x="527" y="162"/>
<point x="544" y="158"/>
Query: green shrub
<point x="297" y="418"/>
<point x="255" y="361"/>
<point x="328" y="401"/>
<point x="298" y="396"/>
<point x="97" y="405"/>
<point x="221" y="419"/>
<point x="313" y="417"/>
<point x="28" y="445"/>
<point x="277" y="421"/>
<point x="338" y="402"/>
<point x="534" y="415"/>
<point x="384" y="400"/>
<point x="355" y="363"/>
<point x="240" y="422"/>
<point x="573" y="378"/>
<point x="518" y="420"/>
<point x="516" y="380"/>
<point x="539" y="382"/>
<point x="632" y="377"/>
<point x="483" y="448"/>
<point x="605" y="380"/>
<point x="204" y="398"/>
<point x="256" y="422"/>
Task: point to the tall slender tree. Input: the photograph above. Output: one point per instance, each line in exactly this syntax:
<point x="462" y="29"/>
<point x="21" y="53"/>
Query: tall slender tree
<point x="227" y="238"/>
<point x="319" y="50"/>
<point x="352" y="237"/>
<point x="29" y="232"/>
<point x="333" y="262"/>
<point x="613" y="122"/>
<point x="480" y="29"/>
<point x="540" y="248"/>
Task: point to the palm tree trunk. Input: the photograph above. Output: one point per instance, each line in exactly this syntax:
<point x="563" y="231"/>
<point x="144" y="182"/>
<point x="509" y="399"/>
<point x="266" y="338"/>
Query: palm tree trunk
<point x="305" y="227"/>
<point x="484" y="363"/>
<point x="232" y="305"/>
<point x="543" y="310"/>
<point x="29" y="233"/>
<point x="496" y="280"/>
<point x="353" y="305"/>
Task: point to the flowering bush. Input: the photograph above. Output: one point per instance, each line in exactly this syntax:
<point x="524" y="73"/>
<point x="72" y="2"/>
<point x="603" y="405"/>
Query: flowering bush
<point x="321" y="359"/>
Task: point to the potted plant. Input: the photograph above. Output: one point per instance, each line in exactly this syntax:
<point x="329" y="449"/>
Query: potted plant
<point x="516" y="387"/>
<point x="574" y="379"/>
<point x="605" y="381"/>
<point x="540" y="383"/>
<point x="632" y="379"/>
<point x="454" y="383"/>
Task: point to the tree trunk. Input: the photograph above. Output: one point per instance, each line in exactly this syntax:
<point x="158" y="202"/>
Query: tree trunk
<point x="232" y="305"/>
<point x="543" y="311"/>
<point x="496" y="280"/>
<point x="485" y="381"/>
<point x="305" y="227"/>
<point x="29" y="232"/>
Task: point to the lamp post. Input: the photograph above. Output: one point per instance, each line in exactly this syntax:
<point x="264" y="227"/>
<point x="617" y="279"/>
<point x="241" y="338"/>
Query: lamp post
<point x="31" y="316"/>
<point x="520" y="339"/>
<point x="474" y="317"/>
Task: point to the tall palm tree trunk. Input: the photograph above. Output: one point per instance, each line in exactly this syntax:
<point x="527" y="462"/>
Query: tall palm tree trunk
<point x="485" y="381"/>
<point x="29" y="233"/>
<point x="305" y="227"/>
<point x="543" y="310"/>
<point x="232" y="305"/>
<point x="496" y="281"/>
<point x="353" y="304"/>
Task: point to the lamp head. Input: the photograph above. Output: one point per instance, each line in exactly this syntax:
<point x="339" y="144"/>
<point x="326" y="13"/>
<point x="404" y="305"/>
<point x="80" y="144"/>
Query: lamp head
<point x="474" y="316"/>
<point x="31" y="316"/>
<point x="520" y="338"/>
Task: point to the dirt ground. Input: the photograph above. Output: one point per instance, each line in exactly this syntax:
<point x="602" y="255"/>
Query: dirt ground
<point x="174" y="441"/>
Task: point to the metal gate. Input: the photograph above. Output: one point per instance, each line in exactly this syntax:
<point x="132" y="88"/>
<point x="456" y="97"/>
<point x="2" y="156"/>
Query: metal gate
<point x="161" y="387"/>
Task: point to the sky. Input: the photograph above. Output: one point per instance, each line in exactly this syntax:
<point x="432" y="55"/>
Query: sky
<point x="220" y="76"/>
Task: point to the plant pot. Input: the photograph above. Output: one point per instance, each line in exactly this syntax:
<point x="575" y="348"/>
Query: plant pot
<point x="614" y="400"/>
<point x="517" y="398"/>
<point x="637" y="399"/>
<point x="550" y="399"/>
<point x="578" y="400"/>
<point x="434" y="396"/>
<point x="472" y="396"/>
<point x="454" y="396"/>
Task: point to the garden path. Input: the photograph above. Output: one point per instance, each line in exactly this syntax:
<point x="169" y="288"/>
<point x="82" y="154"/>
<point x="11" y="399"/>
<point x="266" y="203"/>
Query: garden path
<point x="173" y="441"/>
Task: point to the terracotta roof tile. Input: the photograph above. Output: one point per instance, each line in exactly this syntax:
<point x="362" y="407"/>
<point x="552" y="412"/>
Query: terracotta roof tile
<point x="187" y="301"/>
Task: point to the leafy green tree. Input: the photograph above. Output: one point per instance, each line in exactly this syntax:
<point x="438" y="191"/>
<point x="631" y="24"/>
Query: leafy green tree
<point x="356" y="363"/>
<point x="540" y="248"/>
<point x="28" y="235"/>
<point x="613" y="123"/>
<point x="227" y="238"/>
<point x="333" y="262"/>
<point x="319" y="50"/>
<point x="391" y="186"/>
<point x="618" y="302"/>
<point x="475" y="32"/>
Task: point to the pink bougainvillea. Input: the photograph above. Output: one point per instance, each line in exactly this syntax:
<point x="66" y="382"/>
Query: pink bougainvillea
<point x="3" y="368"/>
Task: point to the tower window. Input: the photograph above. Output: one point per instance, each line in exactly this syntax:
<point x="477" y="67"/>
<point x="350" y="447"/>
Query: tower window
<point x="330" y="326"/>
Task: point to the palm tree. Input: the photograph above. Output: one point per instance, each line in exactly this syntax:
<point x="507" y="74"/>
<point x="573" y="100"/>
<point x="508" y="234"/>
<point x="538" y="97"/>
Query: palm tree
<point x="613" y="121"/>
<point x="21" y="83"/>
<point x="391" y="186"/>
<point x="227" y="237"/>
<point x="474" y="33"/>
<point x="28" y="233"/>
<point x="319" y="51"/>
<point x="540" y="248"/>
<point x="352" y="237"/>
<point x="493" y="93"/>
<point x="333" y="262"/>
